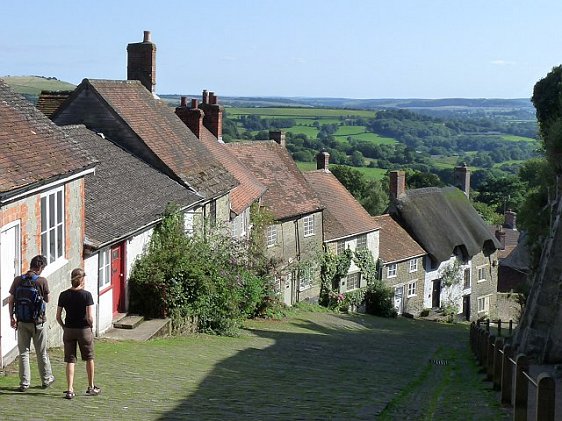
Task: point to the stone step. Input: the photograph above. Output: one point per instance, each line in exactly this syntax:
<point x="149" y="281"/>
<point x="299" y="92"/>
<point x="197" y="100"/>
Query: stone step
<point x="130" y="321"/>
<point x="147" y="330"/>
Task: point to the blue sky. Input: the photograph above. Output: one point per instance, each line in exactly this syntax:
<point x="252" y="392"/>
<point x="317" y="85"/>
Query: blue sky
<point x="311" y="48"/>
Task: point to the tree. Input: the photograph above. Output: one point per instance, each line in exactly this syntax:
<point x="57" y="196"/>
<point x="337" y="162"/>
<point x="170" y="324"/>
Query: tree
<point x="369" y="193"/>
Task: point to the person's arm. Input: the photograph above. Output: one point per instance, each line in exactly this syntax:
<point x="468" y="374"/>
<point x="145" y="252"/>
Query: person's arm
<point x="13" y="321"/>
<point x="59" y="316"/>
<point x="90" y="315"/>
<point x="46" y="291"/>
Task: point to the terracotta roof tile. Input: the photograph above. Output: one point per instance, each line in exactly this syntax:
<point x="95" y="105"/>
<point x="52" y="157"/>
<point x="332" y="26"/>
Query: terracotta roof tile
<point x="288" y="193"/>
<point x="343" y="214"/>
<point x="395" y="244"/>
<point x="125" y="193"/>
<point x="250" y="188"/>
<point x="163" y="133"/>
<point x="32" y="148"/>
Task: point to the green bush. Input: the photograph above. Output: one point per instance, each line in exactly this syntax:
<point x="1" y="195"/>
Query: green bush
<point x="378" y="300"/>
<point x="202" y="280"/>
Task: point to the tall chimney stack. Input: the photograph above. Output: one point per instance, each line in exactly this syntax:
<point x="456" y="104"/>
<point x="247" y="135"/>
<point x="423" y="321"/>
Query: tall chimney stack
<point x="461" y="179"/>
<point x="191" y="117"/>
<point x="397" y="184"/>
<point x="212" y="113"/>
<point x="141" y="62"/>
<point x="510" y="220"/>
<point x="323" y="161"/>
<point x="278" y="136"/>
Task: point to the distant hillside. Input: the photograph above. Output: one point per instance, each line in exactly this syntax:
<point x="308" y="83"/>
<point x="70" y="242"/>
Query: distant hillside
<point x="31" y="86"/>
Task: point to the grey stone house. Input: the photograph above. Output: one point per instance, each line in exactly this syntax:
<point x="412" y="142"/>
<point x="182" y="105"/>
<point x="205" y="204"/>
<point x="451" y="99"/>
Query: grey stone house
<point x="294" y="238"/>
<point x="346" y="224"/>
<point x="401" y="266"/>
<point x="457" y="241"/>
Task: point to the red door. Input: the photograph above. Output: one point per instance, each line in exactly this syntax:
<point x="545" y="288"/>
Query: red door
<point x="118" y="278"/>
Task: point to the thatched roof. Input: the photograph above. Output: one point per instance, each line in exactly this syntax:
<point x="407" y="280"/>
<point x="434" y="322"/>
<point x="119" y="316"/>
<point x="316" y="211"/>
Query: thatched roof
<point x="444" y="222"/>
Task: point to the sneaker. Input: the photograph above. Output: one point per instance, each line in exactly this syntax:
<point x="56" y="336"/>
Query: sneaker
<point x="48" y="383"/>
<point x="23" y="388"/>
<point x="93" y="391"/>
<point x="69" y="394"/>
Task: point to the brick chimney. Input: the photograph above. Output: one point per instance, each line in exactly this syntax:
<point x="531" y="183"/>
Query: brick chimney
<point x="510" y="220"/>
<point x="500" y="236"/>
<point x="212" y="118"/>
<point x="191" y="116"/>
<point x="141" y="62"/>
<point x="278" y="136"/>
<point x="323" y="161"/>
<point x="461" y="178"/>
<point x="397" y="184"/>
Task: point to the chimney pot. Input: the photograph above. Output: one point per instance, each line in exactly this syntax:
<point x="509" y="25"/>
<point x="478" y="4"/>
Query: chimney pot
<point x="462" y="178"/>
<point x="212" y="98"/>
<point x="194" y="103"/>
<point x="397" y="184"/>
<point x="323" y="161"/>
<point x="510" y="220"/>
<point x="500" y="236"/>
<point x="183" y="102"/>
<point x="278" y="136"/>
<point x="146" y="36"/>
<point x="205" y="96"/>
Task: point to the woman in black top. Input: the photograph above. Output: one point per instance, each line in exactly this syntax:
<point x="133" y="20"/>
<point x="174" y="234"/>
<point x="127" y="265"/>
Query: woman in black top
<point x="78" y="305"/>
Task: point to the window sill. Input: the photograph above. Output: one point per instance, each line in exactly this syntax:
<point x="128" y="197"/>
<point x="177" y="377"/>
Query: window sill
<point x="105" y="288"/>
<point x="53" y="267"/>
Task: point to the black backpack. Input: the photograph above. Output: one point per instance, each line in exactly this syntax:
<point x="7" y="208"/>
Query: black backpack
<point x="29" y="305"/>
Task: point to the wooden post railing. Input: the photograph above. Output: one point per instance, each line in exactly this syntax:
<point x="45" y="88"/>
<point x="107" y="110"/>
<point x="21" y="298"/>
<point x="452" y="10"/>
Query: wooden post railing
<point x="496" y="358"/>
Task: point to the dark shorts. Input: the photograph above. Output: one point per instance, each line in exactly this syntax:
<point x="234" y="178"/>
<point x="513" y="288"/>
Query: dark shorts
<point x="84" y="337"/>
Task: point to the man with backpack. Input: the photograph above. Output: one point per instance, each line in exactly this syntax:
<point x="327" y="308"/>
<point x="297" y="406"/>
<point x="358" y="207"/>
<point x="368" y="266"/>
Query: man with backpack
<point x="28" y="295"/>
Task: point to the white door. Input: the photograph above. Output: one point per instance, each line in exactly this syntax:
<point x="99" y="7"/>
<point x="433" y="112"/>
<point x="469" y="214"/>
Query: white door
<point x="9" y="268"/>
<point x="399" y="299"/>
<point x="287" y="289"/>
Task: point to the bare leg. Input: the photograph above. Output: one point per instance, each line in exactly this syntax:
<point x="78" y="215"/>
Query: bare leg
<point x="90" y="371"/>
<point x="70" y="376"/>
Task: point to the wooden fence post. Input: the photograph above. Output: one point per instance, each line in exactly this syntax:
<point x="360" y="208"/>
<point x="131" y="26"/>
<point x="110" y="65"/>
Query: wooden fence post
<point x="497" y="366"/>
<point x="487" y="325"/>
<point x="510" y="327"/>
<point x="521" y="388"/>
<point x="483" y="348"/>
<point x="507" y="375"/>
<point x="545" y="397"/>
<point x="499" y="327"/>
<point x="490" y="357"/>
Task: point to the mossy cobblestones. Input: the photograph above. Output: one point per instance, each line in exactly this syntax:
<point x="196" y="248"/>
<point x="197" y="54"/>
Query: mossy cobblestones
<point x="314" y="366"/>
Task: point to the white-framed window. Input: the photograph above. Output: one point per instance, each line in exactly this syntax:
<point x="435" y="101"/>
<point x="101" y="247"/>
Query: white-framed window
<point x="391" y="273"/>
<point x="353" y="281"/>
<point x="340" y="248"/>
<point x="484" y="304"/>
<point x="52" y="225"/>
<point x="271" y="235"/>
<point x="481" y="273"/>
<point x="305" y="281"/>
<point x="361" y="242"/>
<point x="413" y="265"/>
<point x="308" y="222"/>
<point x="104" y="268"/>
<point x="412" y="289"/>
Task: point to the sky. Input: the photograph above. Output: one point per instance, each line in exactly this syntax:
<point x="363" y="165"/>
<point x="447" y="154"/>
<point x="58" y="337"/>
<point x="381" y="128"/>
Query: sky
<point x="288" y="48"/>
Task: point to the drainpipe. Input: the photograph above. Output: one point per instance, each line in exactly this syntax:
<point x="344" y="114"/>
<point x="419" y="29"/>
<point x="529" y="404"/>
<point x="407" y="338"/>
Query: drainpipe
<point x="298" y="256"/>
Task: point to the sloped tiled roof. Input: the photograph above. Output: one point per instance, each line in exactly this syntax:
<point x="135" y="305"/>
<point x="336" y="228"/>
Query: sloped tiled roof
<point x="125" y="193"/>
<point x="250" y="189"/>
<point x="395" y="244"/>
<point x="343" y="214"/>
<point x="511" y="238"/>
<point x="163" y="133"/>
<point x="50" y="101"/>
<point x="442" y="219"/>
<point x="33" y="150"/>
<point x="288" y="194"/>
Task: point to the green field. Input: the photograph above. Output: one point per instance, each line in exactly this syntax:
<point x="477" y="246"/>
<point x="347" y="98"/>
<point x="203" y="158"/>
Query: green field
<point x="371" y="173"/>
<point x="512" y="138"/>
<point x="33" y="85"/>
<point x="310" y="113"/>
